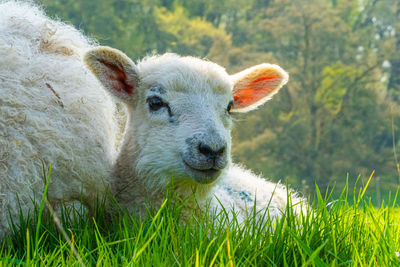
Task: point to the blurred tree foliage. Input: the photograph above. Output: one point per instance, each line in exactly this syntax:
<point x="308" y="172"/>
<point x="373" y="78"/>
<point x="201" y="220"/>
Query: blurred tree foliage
<point x="340" y="111"/>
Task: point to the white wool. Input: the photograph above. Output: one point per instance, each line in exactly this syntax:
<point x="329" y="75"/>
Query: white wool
<point x="52" y="110"/>
<point x="239" y="189"/>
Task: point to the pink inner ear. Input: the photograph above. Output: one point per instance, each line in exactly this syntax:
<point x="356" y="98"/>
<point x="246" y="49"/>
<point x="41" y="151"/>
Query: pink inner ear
<point x="249" y="92"/>
<point x="118" y="75"/>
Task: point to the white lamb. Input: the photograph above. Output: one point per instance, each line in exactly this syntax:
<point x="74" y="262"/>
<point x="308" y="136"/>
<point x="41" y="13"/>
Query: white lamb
<point x="52" y="110"/>
<point x="179" y="126"/>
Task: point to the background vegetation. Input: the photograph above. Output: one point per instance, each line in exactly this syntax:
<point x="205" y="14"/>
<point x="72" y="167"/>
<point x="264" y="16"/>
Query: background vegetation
<point x="338" y="114"/>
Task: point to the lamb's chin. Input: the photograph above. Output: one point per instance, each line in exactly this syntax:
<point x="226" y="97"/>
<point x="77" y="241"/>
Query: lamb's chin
<point x="206" y="176"/>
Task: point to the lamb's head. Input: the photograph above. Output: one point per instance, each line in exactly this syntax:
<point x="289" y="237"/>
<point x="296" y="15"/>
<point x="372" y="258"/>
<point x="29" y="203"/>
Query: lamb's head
<point x="180" y="110"/>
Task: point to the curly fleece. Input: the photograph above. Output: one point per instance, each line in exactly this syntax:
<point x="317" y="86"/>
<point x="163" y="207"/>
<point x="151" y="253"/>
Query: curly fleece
<point x="53" y="111"/>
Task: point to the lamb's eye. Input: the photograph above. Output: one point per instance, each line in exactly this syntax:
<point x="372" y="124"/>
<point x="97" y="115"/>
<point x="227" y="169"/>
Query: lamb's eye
<point x="229" y="107"/>
<point x="155" y="103"/>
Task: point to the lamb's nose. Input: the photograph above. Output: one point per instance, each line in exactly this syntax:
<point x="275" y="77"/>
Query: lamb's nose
<point x="207" y="151"/>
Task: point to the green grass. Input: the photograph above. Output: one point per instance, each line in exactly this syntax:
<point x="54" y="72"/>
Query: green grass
<point x="334" y="234"/>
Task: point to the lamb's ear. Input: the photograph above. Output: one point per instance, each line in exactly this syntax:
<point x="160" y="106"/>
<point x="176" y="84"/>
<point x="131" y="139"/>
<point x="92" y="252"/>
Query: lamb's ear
<point x="115" y="71"/>
<point x="256" y="85"/>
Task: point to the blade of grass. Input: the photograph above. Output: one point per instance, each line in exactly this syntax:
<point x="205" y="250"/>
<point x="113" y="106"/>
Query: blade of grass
<point x="42" y="204"/>
<point x="365" y="187"/>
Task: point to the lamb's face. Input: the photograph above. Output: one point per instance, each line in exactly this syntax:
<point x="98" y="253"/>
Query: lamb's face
<point x="182" y="118"/>
<point x="181" y="109"/>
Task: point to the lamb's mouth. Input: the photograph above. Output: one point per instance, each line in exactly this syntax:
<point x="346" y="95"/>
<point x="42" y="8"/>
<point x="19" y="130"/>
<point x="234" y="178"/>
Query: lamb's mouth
<point x="203" y="176"/>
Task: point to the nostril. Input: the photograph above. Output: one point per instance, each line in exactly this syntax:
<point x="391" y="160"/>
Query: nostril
<point x="221" y="151"/>
<point x="206" y="150"/>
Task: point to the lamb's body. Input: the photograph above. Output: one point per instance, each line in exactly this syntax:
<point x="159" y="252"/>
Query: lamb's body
<point x="52" y="110"/>
<point x="241" y="189"/>
<point x="237" y="189"/>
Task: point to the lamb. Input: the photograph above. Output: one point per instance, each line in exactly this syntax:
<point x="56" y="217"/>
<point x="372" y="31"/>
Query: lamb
<point x="179" y="126"/>
<point x="53" y="111"/>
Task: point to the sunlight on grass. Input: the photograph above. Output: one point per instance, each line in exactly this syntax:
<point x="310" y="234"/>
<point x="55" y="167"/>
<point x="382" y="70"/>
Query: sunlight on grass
<point x="334" y="233"/>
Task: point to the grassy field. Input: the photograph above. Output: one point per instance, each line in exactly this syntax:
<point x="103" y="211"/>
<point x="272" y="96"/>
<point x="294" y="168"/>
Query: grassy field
<point x="334" y="234"/>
